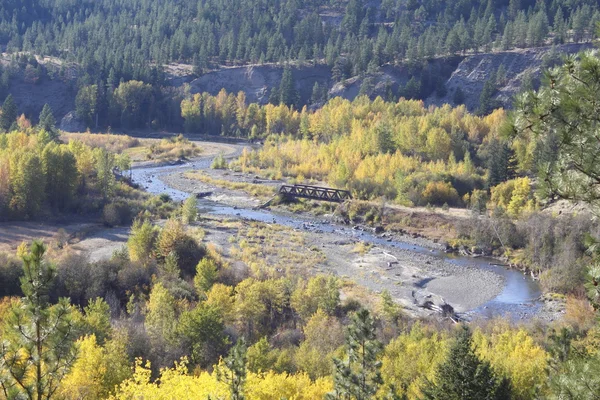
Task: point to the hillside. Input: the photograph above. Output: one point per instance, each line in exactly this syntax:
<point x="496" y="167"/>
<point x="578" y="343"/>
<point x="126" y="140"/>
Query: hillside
<point x="115" y="40"/>
<point x="257" y="81"/>
<point x="520" y="65"/>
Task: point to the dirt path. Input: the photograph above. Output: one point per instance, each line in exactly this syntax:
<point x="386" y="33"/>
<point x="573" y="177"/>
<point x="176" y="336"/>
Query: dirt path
<point x="12" y="234"/>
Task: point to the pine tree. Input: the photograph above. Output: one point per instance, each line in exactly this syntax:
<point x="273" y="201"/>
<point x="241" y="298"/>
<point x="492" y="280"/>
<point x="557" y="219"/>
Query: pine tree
<point x="287" y="89"/>
<point x="358" y="376"/>
<point x="501" y="75"/>
<point x="501" y="163"/>
<point x="486" y="103"/>
<point x="47" y="122"/>
<point x="38" y="344"/>
<point x="317" y="94"/>
<point x="235" y="373"/>
<point x="9" y="113"/>
<point x="463" y="376"/>
<point x="507" y="37"/>
<point x="560" y="117"/>
<point x="458" y="97"/>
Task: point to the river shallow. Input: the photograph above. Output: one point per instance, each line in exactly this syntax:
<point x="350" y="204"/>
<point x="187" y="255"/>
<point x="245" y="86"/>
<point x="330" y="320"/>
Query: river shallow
<point x="518" y="299"/>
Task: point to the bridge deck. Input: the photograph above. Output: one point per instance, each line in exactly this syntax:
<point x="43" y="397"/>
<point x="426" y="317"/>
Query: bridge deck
<point x="315" y="193"/>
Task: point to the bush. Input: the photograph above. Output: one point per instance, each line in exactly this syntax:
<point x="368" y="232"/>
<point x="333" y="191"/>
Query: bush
<point x="10" y="271"/>
<point x="189" y="211"/>
<point x="73" y="277"/>
<point x="141" y="241"/>
<point x="116" y="213"/>
<point x="438" y="193"/>
<point x="173" y="239"/>
<point x="219" y="162"/>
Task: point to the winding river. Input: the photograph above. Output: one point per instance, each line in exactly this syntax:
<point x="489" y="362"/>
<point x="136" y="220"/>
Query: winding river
<point x="518" y="300"/>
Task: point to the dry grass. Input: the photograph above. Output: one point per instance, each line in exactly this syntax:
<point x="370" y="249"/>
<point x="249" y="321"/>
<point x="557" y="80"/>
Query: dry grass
<point x="579" y="313"/>
<point x="175" y="148"/>
<point x="362" y="248"/>
<point x="275" y="251"/>
<point x="350" y="291"/>
<point x="112" y="143"/>
<point x="256" y="190"/>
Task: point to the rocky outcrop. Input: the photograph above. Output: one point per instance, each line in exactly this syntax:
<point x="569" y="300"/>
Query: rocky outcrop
<point x="70" y="123"/>
<point x="31" y="97"/>
<point x="469" y="73"/>
<point x="474" y="70"/>
<point x="256" y="81"/>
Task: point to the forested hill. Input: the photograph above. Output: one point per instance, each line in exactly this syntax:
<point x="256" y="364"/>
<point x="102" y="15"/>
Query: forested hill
<point x="124" y="39"/>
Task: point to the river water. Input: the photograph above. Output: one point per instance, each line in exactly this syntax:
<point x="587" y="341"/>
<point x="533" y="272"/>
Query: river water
<point x="518" y="300"/>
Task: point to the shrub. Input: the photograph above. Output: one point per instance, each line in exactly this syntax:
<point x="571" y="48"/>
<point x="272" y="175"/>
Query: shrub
<point x="141" y="241"/>
<point x="10" y="271"/>
<point x="438" y="193"/>
<point x="219" y="162"/>
<point x="189" y="211"/>
<point x="173" y="238"/>
<point x="116" y="213"/>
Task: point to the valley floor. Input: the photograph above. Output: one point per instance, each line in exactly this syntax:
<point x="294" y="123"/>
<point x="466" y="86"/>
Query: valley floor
<point x="411" y="268"/>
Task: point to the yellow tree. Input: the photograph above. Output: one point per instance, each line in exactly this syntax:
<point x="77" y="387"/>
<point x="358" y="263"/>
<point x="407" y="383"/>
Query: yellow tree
<point x="514" y="354"/>
<point x="97" y="370"/>
<point x="412" y="358"/>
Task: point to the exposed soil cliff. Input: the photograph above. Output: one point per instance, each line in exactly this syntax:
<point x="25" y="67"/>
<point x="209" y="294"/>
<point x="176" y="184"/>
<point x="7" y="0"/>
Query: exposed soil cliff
<point x="474" y="70"/>
<point x="469" y="73"/>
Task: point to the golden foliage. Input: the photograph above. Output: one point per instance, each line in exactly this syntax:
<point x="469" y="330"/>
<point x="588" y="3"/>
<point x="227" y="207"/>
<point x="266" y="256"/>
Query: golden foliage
<point x="176" y="383"/>
<point x="514" y="354"/>
<point x="412" y="358"/>
<point x="515" y="196"/>
<point x="375" y="148"/>
<point x="97" y="370"/>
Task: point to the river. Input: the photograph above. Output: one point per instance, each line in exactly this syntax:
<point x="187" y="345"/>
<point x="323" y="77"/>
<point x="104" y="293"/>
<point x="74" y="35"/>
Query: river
<point x="519" y="298"/>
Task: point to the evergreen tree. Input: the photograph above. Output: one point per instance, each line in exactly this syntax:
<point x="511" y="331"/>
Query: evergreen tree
<point x="367" y="86"/>
<point x="458" y="97"/>
<point x="486" y="102"/>
<point x="560" y="117"/>
<point x="501" y="75"/>
<point x="501" y="163"/>
<point x="9" y="113"/>
<point x="412" y="90"/>
<point x="287" y="89"/>
<point x="86" y="104"/>
<point x="234" y="374"/>
<point x="38" y="344"/>
<point x="47" y="122"/>
<point x="357" y="377"/>
<point x="463" y="376"/>
<point x="319" y="94"/>
<point x="507" y="37"/>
